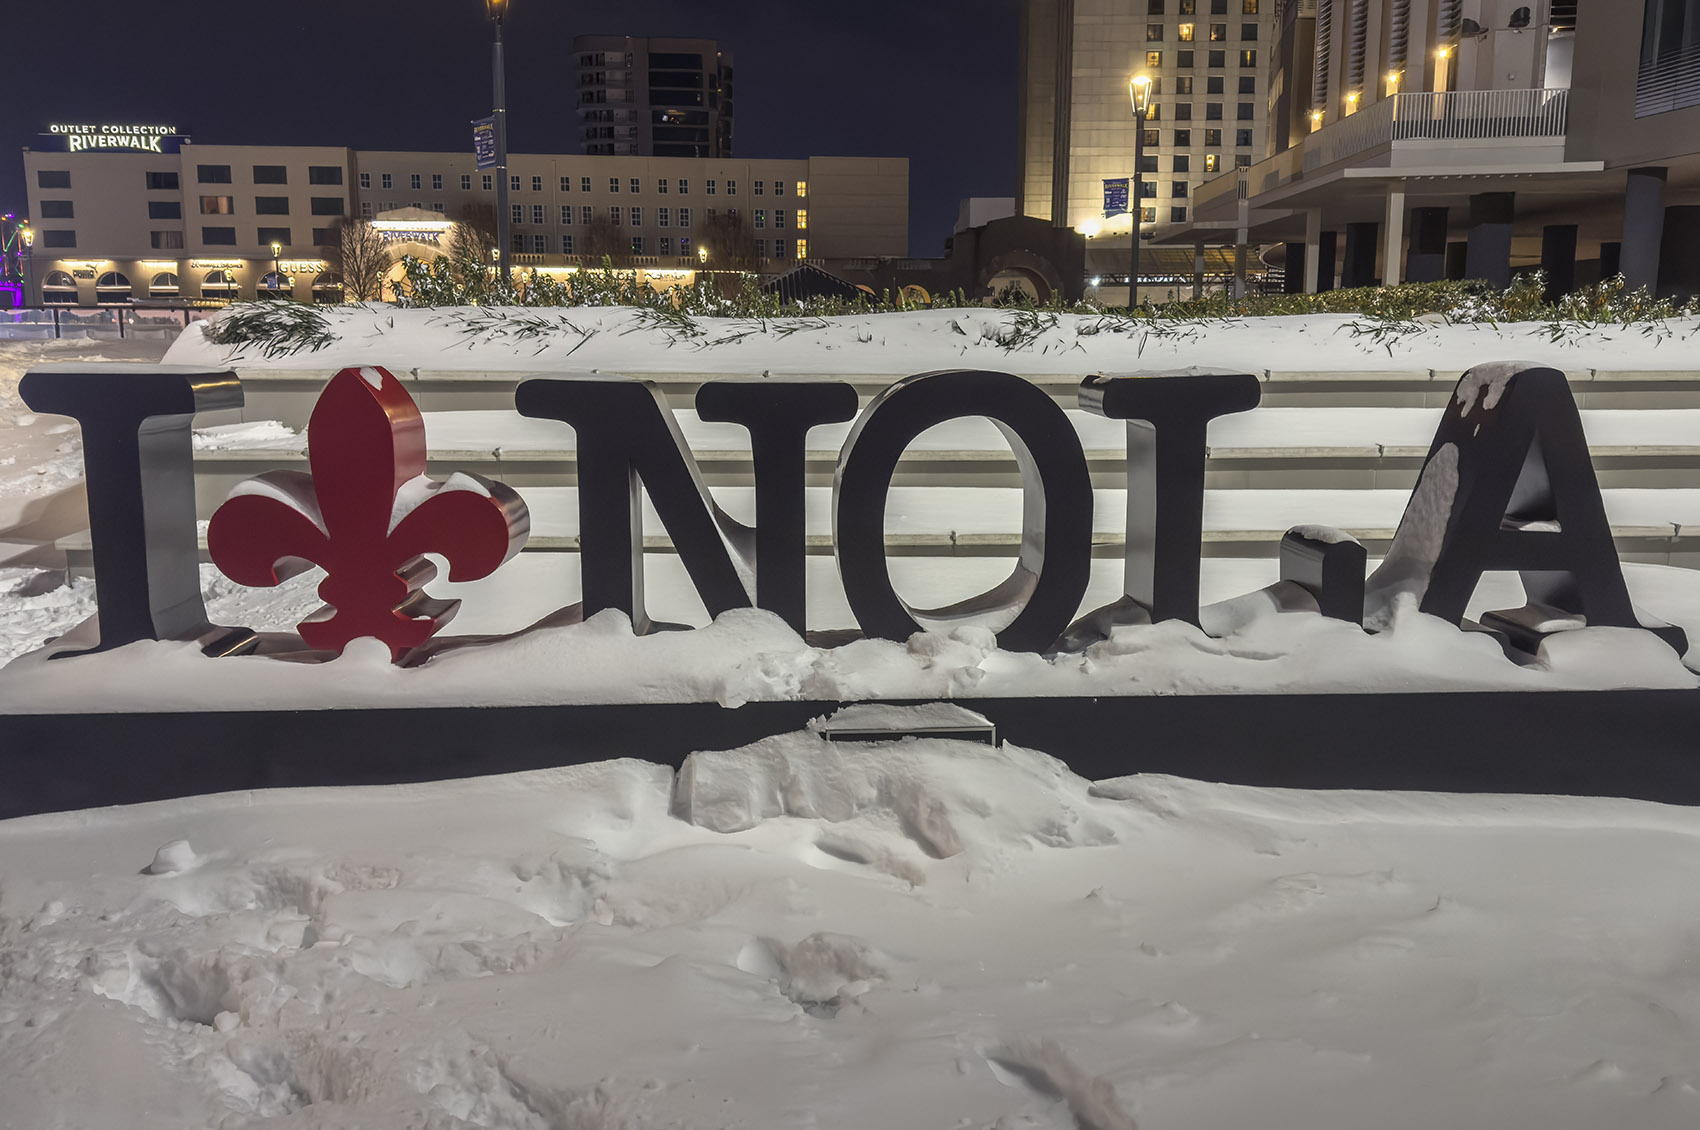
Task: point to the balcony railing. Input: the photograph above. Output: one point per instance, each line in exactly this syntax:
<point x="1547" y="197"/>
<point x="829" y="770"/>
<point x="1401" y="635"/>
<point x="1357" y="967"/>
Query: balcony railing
<point x="1460" y="116"/>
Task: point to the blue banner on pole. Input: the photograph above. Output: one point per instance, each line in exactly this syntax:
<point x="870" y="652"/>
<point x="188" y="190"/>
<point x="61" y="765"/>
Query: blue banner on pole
<point x="484" y="143"/>
<point x="1115" y="197"/>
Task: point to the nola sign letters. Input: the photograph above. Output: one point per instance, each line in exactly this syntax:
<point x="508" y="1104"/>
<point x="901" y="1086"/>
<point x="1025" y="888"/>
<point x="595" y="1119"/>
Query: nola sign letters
<point x="1507" y="485"/>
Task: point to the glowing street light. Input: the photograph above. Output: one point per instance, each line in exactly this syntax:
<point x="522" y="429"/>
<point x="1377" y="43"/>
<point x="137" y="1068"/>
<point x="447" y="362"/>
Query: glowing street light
<point x="1139" y="96"/>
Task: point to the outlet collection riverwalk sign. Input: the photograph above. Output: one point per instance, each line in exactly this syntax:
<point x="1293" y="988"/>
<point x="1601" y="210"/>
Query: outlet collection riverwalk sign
<point x="1507" y="485"/>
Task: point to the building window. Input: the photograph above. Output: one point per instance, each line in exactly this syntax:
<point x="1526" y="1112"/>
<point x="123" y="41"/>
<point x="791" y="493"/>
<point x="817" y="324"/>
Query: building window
<point x="387" y="180"/>
<point x="1212" y="111"/>
<point x="1153" y="59"/>
<point x="1153" y="33"/>
<point x="69" y="238"/>
<point x="1183" y="163"/>
<point x="218" y="237"/>
<point x="1183" y="58"/>
<point x="1242" y="160"/>
<point x="365" y="180"/>
<point x="802" y="188"/>
<point x="1242" y="138"/>
<point x="208" y="174"/>
<point x="761" y="218"/>
<point x="1184" y="33"/>
<point x="779" y="219"/>
<point x="566" y="184"/>
<point x="53" y="178"/>
<point x="1218" y="58"/>
<point x="1154" y="112"/>
<point x="761" y="249"/>
<point x="802" y="249"/>
<point x="684" y="217"/>
<point x="613" y="184"/>
<point x="538" y="244"/>
<point x="1188" y="7"/>
<point x="161" y="182"/>
<point x="1149" y="137"/>
<point x="489" y="182"/>
<point x="324" y="174"/>
<point x="586" y="215"/>
<point x="516" y="213"/>
<point x="269" y="236"/>
<point x="366" y="209"/>
<point x="1147" y="162"/>
<point x="1177" y="188"/>
<point x="566" y="245"/>
<point x="584" y="184"/>
<point x="1210" y="162"/>
<point x="1183" y="84"/>
<point x="684" y="245"/>
<point x="1177" y="215"/>
<point x="1248" y="58"/>
<point x="666" y="245"/>
<point x="566" y="213"/>
<point x="1212" y="138"/>
<point x="708" y="187"/>
<point x="166" y="240"/>
<point x="782" y="249"/>
<point x="1183" y="111"/>
<point x="635" y="184"/>
<point x="324" y="237"/>
<point x="637" y="245"/>
<point x="513" y="183"/>
<point x="271" y="205"/>
<point x="1250" y="7"/>
<point x="1148" y="215"/>
<point x="637" y="217"/>
<point x="1154" y="8"/>
<point x="684" y="187"/>
<point x="1183" y="138"/>
<point x="1248" y="84"/>
<point x="802" y="221"/>
<point x="614" y="214"/>
<point x="57" y="210"/>
<point x="1248" y="33"/>
<point x="779" y="188"/>
<point x="662" y="216"/>
<point x="218" y="205"/>
<point x="466" y="182"/>
<point x="537" y="184"/>
<point x="437" y="182"/>
<point x="537" y="213"/>
<point x="1245" y="111"/>
<point x="271" y="174"/>
<point x="516" y="243"/>
<point x="437" y="206"/>
<point x="1218" y="33"/>
<point x="760" y="188"/>
<point x="1213" y="84"/>
<point x="731" y="188"/>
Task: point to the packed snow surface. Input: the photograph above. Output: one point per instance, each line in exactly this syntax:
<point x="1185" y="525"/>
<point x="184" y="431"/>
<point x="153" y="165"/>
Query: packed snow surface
<point x="802" y="934"/>
<point x="623" y="339"/>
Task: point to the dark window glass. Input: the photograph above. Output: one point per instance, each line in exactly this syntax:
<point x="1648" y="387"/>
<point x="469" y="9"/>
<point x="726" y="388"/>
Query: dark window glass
<point x="1212" y="138"/>
<point x="271" y="205"/>
<point x="1183" y="163"/>
<point x="1177" y="215"/>
<point x="1245" y="111"/>
<point x="1183" y="111"/>
<point x="1148" y="162"/>
<point x="1178" y="188"/>
<point x="1242" y="138"/>
<point x="165" y="210"/>
<point x="271" y="174"/>
<point x="1218" y="58"/>
<point x="1183" y="59"/>
<point x="675" y="60"/>
<point x="269" y="236"/>
<point x="691" y="79"/>
<point x="218" y="237"/>
<point x="212" y="174"/>
<point x="324" y="174"/>
<point x="327" y="205"/>
<point x="1213" y="84"/>
<point x="166" y="240"/>
<point x="1248" y="84"/>
<point x="1183" y="84"/>
<point x="1242" y="160"/>
<point x="1218" y="33"/>
<point x="159" y="182"/>
<point x="59" y="239"/>
<point x="1212" y="111"/>
<point x="1153" y="33"/>
<point x="57" y="210"/>
<point x="53" y="178"/>
<point x="1218" y="7"/>
<point x="1183" y="137"/>
<point x="1155" y="8"/>
<point x="324" y="237"/>
<point x="1150" y="138"/>
<point x="1248" y="32"/>
<point x="675" y="98"/>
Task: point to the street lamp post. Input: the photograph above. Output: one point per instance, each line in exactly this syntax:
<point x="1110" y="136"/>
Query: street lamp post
<point x="277" y="268"/>
<point x="498" y="10"/>
<point x="1139" y="94"/>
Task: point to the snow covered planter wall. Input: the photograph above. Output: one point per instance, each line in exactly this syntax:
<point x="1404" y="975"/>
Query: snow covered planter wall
<point x="1507" y="486"/>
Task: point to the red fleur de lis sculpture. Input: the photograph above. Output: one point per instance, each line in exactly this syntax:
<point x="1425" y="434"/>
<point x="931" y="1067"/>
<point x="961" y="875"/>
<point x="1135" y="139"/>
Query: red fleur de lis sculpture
<point x="367" y="515"/>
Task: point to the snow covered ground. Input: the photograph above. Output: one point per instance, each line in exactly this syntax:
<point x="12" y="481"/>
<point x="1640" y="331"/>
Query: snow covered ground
<point x="798" y="934"/>
<point x="620" y="339"/>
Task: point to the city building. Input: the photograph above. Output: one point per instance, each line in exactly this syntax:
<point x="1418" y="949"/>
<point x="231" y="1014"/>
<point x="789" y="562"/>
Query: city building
<point x="653" y="97"/>
<point x="1207" y="61"/>
<point x="1424" y="139"/>
<point x="218" y="222"/>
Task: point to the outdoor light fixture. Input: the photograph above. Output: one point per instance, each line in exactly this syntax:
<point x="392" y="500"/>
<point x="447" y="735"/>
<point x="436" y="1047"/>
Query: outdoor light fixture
<point x="1139" y="95"/>
<point x="702" y="254"/>
<point x="1316" y="119"/>
<point x="497" y="9"/>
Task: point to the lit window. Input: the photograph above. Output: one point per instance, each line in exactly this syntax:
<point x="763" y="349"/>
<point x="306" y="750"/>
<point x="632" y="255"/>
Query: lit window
<point x="802" y="223"/>
<point x="802" y="249"/>
<point x="1148" y="215"/>
<point x="1153" y="33"/>
<point x="1248" y="58"/>
<point x="1250" y="7"/>
<point x="1210" y="162"/>
<point x="1218" y="33"/>
<point x="1185" y="35"/>
<point x="1153" y="59"/>
<point x="802" y="188"/>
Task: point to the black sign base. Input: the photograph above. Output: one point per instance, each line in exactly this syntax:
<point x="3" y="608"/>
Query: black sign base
<point x="1628" y="743"/>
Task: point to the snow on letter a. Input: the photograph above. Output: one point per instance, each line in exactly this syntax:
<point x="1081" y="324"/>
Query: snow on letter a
<point x="367" y="514"/>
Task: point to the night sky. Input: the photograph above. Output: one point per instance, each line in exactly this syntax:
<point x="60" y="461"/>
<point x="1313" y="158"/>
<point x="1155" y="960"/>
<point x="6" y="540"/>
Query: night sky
<point x="932" y="81"/>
